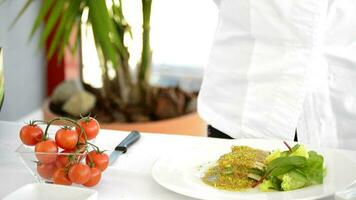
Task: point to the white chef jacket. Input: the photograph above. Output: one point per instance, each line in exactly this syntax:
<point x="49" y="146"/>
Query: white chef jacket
<point x="278" y="65"/>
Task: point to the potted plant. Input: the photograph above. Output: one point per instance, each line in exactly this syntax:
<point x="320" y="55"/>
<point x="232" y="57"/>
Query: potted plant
<point x="125" y="97"/>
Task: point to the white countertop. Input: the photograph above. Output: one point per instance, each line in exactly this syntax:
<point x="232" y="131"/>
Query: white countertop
<point x="129" y="177"/>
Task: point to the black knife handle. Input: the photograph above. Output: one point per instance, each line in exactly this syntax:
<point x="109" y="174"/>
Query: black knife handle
<point x="128" y="141"/>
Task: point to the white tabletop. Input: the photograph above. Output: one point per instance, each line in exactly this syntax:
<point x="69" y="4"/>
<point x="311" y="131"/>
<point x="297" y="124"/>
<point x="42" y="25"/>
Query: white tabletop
<point x="128" y="178"/>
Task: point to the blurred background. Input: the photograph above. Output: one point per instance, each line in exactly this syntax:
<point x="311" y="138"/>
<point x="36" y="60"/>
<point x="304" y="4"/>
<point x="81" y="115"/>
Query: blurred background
<point x="78" y="75"/>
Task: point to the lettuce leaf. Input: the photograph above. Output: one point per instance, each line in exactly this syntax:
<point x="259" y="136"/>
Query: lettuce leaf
<point x="276" y="182"/>
<point x="299" y="151"/>
<point x="266" y="186"/>
<point x="292" y="169"/>
<point x="283" y="165"/>
<point x="314" y="168"/>
<point x="272" y="156"/>
<point x="293" y="180"/>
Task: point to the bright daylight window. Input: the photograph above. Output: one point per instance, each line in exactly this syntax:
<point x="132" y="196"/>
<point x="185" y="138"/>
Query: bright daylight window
<point x="181" y="35"/>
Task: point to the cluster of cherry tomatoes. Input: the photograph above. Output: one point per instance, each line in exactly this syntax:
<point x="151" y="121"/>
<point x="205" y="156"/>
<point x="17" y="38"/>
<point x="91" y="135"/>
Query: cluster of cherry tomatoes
<point x="70" y="157"/>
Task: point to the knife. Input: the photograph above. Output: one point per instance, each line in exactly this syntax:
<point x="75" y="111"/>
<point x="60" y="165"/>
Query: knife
<point x="124" y="145"/>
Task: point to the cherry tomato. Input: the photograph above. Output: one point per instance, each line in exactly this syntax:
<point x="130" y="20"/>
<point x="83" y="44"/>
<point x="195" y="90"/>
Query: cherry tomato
<point x="91" y="127"/>
<point x="46" y="170"/>
<point x="81" y="146"/>
<point x="95" y="176"/>
<point x="64" y="158"/>
<point x="60" y="177"/>
<point x="46" y="151"/>
<point x="67" y="138"/>
<point x="79" y="173"/>
<point x="31" y="134"/>
<point x="100" y="160"/>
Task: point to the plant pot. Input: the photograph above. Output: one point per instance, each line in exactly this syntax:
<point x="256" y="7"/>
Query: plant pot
<point x="189" y="124"/>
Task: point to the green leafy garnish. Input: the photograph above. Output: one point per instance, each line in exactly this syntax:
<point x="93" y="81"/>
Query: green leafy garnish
<point x="292" y="169"/>
<point x="276" y="182"/>
<point x="314" y="168"/>
<point x="283" y="165"/>
<point x="295" y="148"/>
<point x="293" y="180"/>
<point x="300" y="151"/>
<point x="266" y="185"/>
<point x="272" y="156"/>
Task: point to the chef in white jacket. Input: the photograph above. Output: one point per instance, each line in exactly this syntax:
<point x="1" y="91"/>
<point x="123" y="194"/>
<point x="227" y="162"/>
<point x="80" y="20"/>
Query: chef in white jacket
<point x="281" y="65"/>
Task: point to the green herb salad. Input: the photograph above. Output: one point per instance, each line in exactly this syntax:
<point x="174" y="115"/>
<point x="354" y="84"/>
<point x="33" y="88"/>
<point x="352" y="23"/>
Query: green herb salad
<point x="245" y="167"/>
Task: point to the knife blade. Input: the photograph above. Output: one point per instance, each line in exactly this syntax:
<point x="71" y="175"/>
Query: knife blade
<point x="124" y="145"/>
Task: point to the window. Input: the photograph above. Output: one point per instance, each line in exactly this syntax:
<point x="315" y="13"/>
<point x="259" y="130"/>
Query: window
<point x="181" y="35"/>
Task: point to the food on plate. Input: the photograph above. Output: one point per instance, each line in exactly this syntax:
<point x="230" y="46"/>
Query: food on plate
<point x="232" y="169"/>
<point x="79" y="161"/>
<point x="245" y="167"/>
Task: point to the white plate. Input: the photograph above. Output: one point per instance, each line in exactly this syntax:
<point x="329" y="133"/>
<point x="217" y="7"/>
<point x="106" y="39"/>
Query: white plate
<point x="180" y="172"/>
<point x="41" y="191"/>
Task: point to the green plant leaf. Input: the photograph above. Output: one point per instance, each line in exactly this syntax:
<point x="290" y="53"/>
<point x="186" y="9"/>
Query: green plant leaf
<point x="54" y="15"/>
<point x="22" y="11"/>
<point x="293" y="180"/>
<point x="46" y="5"/>
<point x="276" y="182"/>
<point x="146" y="50"/>
<point x="65" y="42"/>
<point x="282" y="170"/>
<point x="295" y="147"/>
<point x="282" y="165"/>
<point x="100" y="21"/>
<point x="314" y="168"/>
<point x="65" y="28"/>
<point x="266" y="186"/>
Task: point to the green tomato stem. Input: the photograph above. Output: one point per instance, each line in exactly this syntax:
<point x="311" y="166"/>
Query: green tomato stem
<point x="34" y="122"/>
<point x="45" y="135"/>
<point x="96" y="148"/>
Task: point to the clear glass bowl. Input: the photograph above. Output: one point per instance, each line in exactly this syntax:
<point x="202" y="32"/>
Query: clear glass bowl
<point x="30" y="159"/>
